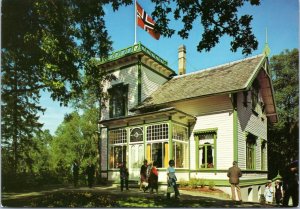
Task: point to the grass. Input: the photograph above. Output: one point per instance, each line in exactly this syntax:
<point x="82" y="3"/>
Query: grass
<point x="90" y="199"/>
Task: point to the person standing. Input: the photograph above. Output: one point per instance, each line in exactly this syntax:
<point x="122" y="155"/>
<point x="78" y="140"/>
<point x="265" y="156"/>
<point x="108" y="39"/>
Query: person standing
<point x="124" y="175"/>
<point x="90" y="172"/>
<point x="153" y="178"/>
<point x="269" y="193"/>
<point x="149" y="168"/>
<point x="234" y="173"/>
<point x="75" y="171"/>
<point x="143" y="174"/>
<point x="278" y="192"/>
<point x="172" y="179"/>
<point x="291" y="184"/>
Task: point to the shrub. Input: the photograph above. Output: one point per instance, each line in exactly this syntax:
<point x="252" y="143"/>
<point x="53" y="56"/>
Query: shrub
<point x="211" y="185"/>
<point x="193" y="182"/>
<point x="201" y="183"/>
<point x="183" y="183"/>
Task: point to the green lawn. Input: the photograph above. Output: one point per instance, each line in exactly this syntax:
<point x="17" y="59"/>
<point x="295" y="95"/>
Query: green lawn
<point x="90" y="199"/>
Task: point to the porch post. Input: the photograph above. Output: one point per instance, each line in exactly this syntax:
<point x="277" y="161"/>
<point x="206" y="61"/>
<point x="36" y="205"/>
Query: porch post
<point x="170" y="139"/>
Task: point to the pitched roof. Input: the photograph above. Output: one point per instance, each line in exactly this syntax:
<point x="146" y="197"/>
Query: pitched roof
<point x="230" y="77"/>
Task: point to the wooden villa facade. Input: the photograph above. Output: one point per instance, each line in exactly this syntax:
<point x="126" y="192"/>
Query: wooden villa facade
<point x="203" y="120"/>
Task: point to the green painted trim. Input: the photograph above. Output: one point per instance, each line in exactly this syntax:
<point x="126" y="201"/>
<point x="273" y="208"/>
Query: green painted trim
<point x="155" y="71"/>
<point x="140" y="124"/>
<point x="215" y="150"/>
<point x="233" y="98"/>
<point x="235" y="135"/>
<point x="127" y="146"/>
<point x="189" y="149"/>
<point x="214" y="131"/>
<point x="170" y="139"/>
<point x="256" y="71"/>
<point x="144" y="140"/>
<point x="132" y="50"/>
<point x="196" y="138"/>
<point x="135" y="49"/>
<point x="107" y="164"/>
<point x="139" y="80"/>
<point x="205" y="131"/>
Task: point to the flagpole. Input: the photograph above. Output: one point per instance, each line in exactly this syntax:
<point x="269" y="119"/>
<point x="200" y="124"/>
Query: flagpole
<point x="135" y="22"/>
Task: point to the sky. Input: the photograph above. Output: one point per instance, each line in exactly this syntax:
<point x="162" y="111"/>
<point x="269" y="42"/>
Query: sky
<point x="280" y="18"/>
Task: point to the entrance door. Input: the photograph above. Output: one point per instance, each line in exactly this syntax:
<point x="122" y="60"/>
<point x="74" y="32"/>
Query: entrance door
<point x="136" y="159"/>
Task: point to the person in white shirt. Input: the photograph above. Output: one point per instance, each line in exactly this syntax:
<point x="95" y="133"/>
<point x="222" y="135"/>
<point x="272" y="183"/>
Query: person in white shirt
<point x="269" y="192"/>
<point x="172" y="179"/>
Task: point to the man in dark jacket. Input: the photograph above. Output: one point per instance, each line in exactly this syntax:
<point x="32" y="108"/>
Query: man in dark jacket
<point x="124" y="175"/>
<point x="90" y="172"/>
<point x="234" y="173"/>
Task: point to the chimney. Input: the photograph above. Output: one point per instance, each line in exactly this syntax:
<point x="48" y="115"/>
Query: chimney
<point x="181" y="60"/>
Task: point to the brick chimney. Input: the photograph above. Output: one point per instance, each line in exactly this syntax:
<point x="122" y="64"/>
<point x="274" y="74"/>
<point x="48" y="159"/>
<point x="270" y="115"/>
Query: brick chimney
<point x="181" y="60"/>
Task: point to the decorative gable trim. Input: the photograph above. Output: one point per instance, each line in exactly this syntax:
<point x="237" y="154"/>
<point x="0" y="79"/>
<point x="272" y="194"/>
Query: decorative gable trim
<point x="205" y="131"/>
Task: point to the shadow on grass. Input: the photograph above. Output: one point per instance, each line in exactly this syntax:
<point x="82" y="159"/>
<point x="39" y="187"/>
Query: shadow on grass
<point x="90" y="199"/>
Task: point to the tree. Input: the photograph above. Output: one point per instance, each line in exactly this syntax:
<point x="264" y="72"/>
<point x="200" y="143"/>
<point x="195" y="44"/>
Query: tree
<point x="218" y="18"/>
<point x="45" y="46"/>
<point x="283" y="137"/>
<point x="75" y="138"/>
<point x="48" y="45"/>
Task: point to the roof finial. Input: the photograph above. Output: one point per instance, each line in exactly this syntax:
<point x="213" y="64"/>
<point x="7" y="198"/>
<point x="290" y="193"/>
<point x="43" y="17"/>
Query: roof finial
<point x="267" y="48"/>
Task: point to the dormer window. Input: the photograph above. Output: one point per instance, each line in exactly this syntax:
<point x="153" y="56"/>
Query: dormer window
<point x="118" y="99"/>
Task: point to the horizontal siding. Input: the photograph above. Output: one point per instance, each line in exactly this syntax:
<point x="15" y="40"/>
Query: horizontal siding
<point x="150" y="82"/>
<point x="125" y="76"/>
<point x="224" y="143"/>
<point x="249" y="122"/>
<point x="203" y="106"/>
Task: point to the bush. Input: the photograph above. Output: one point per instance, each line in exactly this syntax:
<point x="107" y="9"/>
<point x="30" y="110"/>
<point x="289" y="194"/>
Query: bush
<point x="201" y="183"/>
<point x="193" y="183"/>
<point x="183" y="183"/>
<point x="211" y="185"/>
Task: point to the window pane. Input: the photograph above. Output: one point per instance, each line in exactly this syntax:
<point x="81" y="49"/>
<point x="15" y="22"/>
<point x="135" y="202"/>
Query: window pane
<point x="157" y="154"/>
<point x="206" y="150"/>
<point x="137" y="155"/>
<point x="179" y="151"/>
<point x="118" y="100"/>
<point x="117" y="154"/>
<point x="166" y="154"/>
<point x="157" y="132"/>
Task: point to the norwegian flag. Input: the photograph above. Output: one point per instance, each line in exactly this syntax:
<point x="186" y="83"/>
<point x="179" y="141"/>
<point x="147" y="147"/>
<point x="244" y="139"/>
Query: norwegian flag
<point x="146" y="22"/>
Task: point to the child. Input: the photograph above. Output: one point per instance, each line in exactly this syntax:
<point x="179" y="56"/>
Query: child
<point x="269" y="193"/>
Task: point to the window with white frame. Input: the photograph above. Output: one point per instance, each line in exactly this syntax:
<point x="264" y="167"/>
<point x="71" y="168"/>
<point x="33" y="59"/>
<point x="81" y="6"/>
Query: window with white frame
<point x="180" y="146"/>
<point x="206" y="150"/>
<point x="117" y="147"/>
<point x="158" y="144"/>
<point x="158" y="132"/>
<point x="136" y="147"/>
<point x="118" y="99"/>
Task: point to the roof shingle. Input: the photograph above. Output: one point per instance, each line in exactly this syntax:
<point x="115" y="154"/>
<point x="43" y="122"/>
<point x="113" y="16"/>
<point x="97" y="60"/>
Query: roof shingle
<point x="220" y="79"/>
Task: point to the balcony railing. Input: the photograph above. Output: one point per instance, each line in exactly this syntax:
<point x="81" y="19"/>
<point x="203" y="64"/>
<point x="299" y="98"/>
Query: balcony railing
<point x="131" y="50"/>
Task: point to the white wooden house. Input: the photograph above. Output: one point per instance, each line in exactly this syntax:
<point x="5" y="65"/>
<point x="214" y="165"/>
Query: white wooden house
<point x="203" y="120"/>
